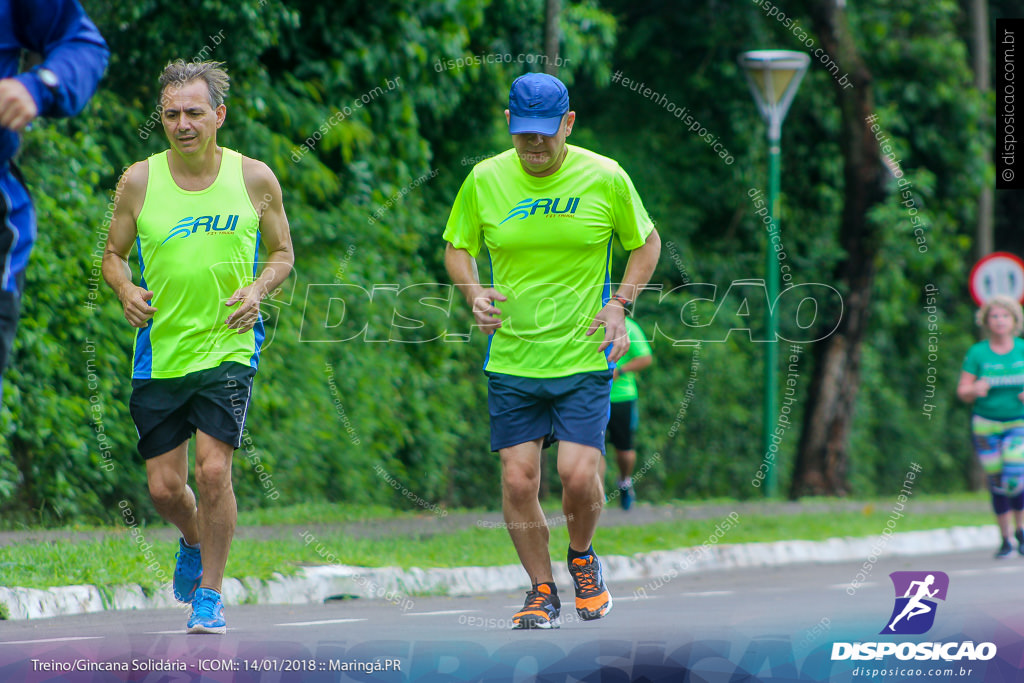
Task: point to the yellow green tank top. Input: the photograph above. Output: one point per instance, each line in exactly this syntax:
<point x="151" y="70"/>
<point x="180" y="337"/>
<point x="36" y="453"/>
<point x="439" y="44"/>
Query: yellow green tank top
<point x="195" y="249"/>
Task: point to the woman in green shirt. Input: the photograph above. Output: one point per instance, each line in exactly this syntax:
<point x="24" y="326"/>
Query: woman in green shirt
<point x="993" y="381"/>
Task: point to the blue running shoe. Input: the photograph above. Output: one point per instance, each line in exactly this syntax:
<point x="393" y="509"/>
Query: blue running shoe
<point x="207" y="613"/>
<point x="188" y="572"/>
<point x="626" y="495"/>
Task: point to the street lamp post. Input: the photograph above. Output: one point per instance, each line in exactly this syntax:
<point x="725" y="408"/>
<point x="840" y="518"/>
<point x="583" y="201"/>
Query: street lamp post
<point x="773" y="77"/>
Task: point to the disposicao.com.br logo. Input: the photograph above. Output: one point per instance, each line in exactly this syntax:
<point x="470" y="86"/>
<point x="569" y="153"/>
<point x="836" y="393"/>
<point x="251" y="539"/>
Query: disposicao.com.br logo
<point x="914" y="598"/>
<point x="913" y="613"/>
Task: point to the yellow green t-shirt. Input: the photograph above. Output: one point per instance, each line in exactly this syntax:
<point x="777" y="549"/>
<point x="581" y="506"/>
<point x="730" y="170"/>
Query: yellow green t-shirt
<point x="550" y="243"/>
<point x="624" y="387"/>
<point x="195" y="249"/>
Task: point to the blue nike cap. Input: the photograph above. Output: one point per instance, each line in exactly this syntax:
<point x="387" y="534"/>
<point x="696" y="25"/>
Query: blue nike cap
<point x="536" y="104"/>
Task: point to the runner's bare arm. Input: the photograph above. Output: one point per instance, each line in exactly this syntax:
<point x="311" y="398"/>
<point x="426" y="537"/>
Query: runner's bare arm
<point x="463" y="272"/>
<point x="612" y="317"/>
<point x="131" y="191"/>
<point x="267" y="197"/>
<point x="640" y="267"/>
<point x="970" y="388"/>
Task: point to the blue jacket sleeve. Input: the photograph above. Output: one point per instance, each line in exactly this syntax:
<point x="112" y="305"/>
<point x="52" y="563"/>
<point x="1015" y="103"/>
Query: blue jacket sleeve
<point x="72" y="48"/>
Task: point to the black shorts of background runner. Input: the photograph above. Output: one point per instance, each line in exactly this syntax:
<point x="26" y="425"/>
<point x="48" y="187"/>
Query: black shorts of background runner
<point x="168" y="411"/>
<point x="573" y="408"/>
<point x="622" y="424"/>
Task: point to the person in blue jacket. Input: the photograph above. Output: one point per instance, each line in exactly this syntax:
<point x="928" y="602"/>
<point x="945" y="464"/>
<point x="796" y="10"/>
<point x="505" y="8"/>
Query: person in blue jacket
<point x="74" y="59"/>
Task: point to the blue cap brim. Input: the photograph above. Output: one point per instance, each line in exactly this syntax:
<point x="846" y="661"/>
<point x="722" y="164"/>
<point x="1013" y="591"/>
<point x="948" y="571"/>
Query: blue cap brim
<point x="528" y="124"/>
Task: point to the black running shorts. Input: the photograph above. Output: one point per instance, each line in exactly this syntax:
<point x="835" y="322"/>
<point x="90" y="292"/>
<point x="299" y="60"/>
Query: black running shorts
<point x="622" y="424"/>
<point x="169" y="411"/>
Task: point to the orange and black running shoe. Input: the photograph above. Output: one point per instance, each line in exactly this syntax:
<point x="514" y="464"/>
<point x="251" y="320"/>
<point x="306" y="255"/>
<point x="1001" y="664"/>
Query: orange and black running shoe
<point x="593" y="600"/>
<point x="541" y="609"/>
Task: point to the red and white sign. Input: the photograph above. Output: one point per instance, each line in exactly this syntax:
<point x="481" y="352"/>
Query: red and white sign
<point x="997" y="273"/>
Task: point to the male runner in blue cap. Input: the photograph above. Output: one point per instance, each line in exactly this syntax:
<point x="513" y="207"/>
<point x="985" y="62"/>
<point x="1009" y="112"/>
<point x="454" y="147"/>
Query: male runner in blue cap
<point x="547" y="213"/>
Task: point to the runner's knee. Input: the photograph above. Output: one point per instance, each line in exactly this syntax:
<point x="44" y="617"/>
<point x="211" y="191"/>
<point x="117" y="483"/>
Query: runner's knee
<point x="580" y="482"/>
<point x="213" y="473"/>
<point x="165" y="491"/>
<point x="520" y="483"/>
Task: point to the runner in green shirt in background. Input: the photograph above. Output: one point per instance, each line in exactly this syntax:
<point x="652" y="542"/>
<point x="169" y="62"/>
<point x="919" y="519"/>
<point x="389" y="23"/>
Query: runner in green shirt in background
<point x="993" y="381"/>
<point x="622" y="423"/>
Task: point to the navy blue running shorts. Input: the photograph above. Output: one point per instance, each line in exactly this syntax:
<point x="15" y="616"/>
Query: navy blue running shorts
<point x="573" y="408"/>
<point x="167" y="412"/>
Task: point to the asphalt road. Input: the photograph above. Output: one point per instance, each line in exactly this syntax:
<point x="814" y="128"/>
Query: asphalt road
<point x="772" y="624"/>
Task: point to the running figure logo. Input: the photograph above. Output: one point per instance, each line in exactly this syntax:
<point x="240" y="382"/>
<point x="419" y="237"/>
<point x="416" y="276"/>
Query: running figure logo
<point x="916" y="592"/>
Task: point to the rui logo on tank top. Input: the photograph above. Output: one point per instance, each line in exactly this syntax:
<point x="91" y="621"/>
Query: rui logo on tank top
<point x="186" y="227"/>
<point x="550" y="207"/>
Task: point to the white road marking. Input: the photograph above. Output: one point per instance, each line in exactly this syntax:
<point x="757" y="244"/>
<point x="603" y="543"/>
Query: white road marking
<point x="48" y="640"/>
<point x="443" y="611"/>
<point x="992" y="570"/>
<point x="318" y="623"/>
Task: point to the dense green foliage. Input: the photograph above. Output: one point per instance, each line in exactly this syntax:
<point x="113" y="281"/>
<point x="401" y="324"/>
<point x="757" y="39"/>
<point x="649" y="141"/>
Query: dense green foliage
<point x="339" y="419"/>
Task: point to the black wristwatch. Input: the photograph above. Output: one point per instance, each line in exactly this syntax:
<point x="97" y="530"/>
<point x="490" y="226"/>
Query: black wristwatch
<point x="627" y="305"/>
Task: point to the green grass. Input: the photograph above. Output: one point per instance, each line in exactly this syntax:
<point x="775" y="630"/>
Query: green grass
<point x="326" y="513"/>
<point x="322" y="513"/>
<point x="116" y="558"/>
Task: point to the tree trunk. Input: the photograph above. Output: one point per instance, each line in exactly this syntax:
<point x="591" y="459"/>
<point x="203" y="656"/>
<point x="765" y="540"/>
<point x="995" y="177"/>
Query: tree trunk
<point x="822" y="456"/>
<point x="984" y="235"/>
<point x="984" y="240"/>
<point x="27" y="496"/>
<point x="552" y="34"/>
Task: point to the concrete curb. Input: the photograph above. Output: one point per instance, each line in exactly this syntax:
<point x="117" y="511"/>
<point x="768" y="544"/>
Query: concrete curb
<point x="317" y="584"/>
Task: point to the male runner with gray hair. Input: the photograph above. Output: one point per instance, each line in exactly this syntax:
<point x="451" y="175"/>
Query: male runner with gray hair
<point x="197" y="212"/>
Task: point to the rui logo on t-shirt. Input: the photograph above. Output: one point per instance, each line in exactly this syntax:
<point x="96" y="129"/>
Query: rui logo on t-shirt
<point x="529" y="206"/>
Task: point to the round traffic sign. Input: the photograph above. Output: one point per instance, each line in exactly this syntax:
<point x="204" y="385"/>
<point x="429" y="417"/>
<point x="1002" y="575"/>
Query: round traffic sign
<point x="997" y="273"/>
